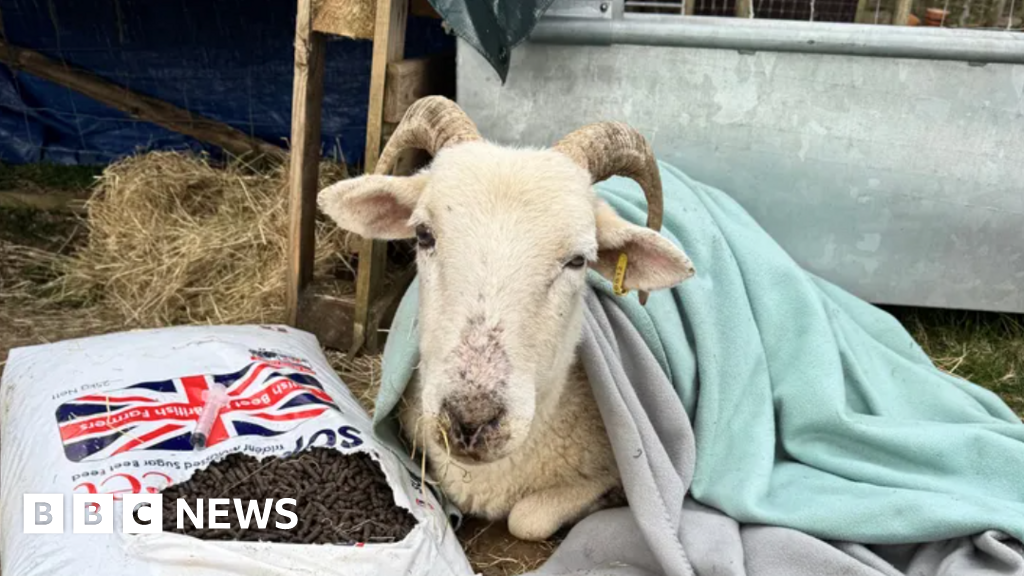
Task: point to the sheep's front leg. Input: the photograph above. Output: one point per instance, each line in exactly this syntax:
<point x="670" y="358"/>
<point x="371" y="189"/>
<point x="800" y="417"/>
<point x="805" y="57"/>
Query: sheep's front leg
<point x="539" y="515"/>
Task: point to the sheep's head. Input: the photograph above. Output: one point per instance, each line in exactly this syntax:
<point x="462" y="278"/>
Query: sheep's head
<point x="504" y="238"/>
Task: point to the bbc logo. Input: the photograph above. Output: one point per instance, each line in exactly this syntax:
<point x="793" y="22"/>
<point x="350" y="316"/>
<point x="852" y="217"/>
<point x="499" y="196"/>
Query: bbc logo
<point x="93" y="513"/>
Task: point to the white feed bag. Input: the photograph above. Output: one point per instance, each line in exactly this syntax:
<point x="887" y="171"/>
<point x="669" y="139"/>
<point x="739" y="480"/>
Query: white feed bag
<point x="114" y="415"/>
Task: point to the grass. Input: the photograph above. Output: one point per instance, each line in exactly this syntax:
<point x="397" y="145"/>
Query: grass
<point x="49" y="231"/>
<point x="984" y="348"/>
<point x="47" y="176"/>
<point x="43" y="230"/>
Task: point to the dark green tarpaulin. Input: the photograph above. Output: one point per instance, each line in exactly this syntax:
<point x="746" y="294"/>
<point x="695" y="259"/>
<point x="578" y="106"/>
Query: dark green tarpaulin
<point x="492" y="27"/>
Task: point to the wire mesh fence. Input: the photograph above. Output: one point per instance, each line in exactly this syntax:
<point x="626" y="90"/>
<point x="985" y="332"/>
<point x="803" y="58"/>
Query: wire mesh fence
<point x="223" y="62"/>
<point x="1005" y="15"/>
<point x="813" y="10"/>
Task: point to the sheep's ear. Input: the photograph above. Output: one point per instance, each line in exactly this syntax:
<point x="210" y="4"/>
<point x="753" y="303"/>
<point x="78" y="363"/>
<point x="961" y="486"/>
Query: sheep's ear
<point x="374" y="206"/>
<point x="653" y="262"/>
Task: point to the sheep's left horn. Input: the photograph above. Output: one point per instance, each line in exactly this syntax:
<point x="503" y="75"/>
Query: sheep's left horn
<point x="430" y="124"/>
<point x="609" y="149"/>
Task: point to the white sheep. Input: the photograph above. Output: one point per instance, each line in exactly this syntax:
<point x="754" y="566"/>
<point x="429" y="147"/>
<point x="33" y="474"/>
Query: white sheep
<point x="505" y="411"/>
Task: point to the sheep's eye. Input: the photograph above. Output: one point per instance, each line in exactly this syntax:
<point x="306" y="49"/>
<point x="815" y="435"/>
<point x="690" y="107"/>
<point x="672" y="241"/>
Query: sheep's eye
<point x="576" y="263"/>
<point x="424" y="237"/>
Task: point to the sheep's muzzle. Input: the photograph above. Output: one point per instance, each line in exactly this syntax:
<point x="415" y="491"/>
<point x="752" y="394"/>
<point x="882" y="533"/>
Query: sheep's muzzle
<point x="475" y="426"/>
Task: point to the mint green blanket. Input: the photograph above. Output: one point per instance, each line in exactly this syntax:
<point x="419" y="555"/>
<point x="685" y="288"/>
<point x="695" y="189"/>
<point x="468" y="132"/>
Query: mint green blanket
<point x="811" y="409"/>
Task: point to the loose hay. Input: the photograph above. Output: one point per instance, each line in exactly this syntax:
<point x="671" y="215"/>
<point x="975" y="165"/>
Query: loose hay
<point x="349" y="18"/>
<point x="24" y="268"/>
<point x="175" y="240"/>
<point x="360" y="373"/>
<point x="340" y="499"/>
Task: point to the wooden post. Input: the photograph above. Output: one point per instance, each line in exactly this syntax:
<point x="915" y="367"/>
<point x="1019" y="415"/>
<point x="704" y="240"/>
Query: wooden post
<point x="744" y="8"/>
<point x="388" y="46"/>
<point x="996" y="12"/>
<point x="863" y="16"/>
<point x="304" y="169"/>
<point x="409" y="80"/>
<point x="902" y="13"/>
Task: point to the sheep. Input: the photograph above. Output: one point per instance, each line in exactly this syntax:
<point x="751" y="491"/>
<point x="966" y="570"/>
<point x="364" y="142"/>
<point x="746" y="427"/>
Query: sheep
<point x="500" y="403"/>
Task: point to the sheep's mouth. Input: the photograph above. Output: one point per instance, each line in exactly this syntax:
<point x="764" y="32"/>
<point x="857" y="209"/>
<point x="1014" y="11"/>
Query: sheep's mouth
<point x="492" y="444"/>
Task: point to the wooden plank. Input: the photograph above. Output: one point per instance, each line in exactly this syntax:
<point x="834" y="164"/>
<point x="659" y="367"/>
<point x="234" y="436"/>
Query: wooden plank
<point x="303" y="175"/>
<point x="48" y="201"/>
<point x="330" y="316"/>
<point x="369" y="279"/>
<point x="996" y="12"/>
<point x="385" y="306"/>
<point x="327" y="317"/>
<point x="409" y="80"/>
<point x="423" y="9"/>
<point x="388" y="46"/>
<point x="864" y="15"/>
<point x="139" y="106"/>
<point x="348" y="18"/>
<point x="902" y="13"/>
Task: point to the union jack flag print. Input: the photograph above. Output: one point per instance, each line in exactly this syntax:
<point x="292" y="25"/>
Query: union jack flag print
<point x="266" y="398"/>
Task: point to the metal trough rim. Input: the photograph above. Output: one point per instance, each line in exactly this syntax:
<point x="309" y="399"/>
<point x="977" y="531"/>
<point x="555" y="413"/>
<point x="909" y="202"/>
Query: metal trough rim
<point x="753" y="35"/>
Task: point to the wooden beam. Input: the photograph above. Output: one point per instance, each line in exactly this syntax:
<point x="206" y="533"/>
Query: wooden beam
<point x="409" y="80"/>
<point x="385" y="306"/>
<point x="902" y="13"/>
<point x="996" y="12"/>
<point x="388" y="46"/>
<point x="863" y="15"/>
<point x="136" y="105"/>
<point x="328" y="317"/>
<point x="369" y="279"/>
<point x="423" y="9"/>
<point x="349" y="18"/>
<point x="303" y="174"/>
<point x="48" y="201"/>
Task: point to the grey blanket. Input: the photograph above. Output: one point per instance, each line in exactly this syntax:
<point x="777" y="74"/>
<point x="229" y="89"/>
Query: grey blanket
<point x="664" y="532"/>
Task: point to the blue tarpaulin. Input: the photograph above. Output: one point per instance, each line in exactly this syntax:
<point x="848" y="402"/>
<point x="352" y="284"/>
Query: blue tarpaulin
<point x="229" y="60"/>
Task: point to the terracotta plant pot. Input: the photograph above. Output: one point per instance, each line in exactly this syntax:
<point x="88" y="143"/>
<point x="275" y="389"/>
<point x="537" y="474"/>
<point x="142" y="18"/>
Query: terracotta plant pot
<point x="935" y="16"/>
<point x="913" y="20"/>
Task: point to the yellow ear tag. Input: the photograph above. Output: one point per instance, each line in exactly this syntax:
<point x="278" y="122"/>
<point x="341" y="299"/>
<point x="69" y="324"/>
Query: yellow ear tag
<point x="620" y="276"/>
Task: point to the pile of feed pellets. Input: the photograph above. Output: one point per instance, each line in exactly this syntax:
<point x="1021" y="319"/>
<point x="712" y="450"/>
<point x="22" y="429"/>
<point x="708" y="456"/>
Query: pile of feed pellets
<point x="340" y="499"/>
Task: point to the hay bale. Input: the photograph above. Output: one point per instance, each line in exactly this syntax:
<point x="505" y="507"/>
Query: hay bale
<point x="349" y="18"/>
<point x="175" y="240"/>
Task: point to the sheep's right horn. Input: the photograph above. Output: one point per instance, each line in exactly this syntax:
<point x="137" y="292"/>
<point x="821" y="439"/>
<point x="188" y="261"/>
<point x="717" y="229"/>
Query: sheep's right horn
<point x="430" y="124"/>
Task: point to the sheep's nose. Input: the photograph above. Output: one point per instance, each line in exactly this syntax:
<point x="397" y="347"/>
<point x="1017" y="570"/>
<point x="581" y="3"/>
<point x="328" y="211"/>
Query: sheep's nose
<point x="471" y="421"/>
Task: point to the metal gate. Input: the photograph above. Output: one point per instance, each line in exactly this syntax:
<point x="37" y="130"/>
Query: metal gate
<point x="887" y="159"/>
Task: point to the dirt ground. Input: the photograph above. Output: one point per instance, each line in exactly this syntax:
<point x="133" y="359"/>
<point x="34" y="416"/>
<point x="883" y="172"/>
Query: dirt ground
<point x="985" y="348"/>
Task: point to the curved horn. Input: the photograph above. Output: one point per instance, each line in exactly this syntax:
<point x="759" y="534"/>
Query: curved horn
<point x="430" y="124"/>
<point x="607" y="149"/>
